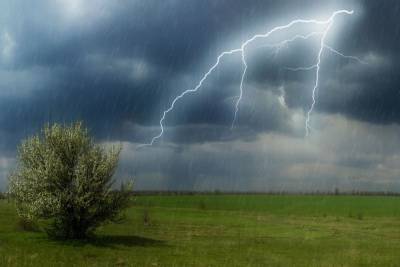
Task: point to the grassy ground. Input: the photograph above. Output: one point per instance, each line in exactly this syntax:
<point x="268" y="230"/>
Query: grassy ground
<point x="224" y="230"/>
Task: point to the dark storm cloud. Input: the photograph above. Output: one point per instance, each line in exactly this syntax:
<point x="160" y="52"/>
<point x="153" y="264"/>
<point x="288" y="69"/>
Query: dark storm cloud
<point x="91" y="64"/>
<point x="350" y="156"/>
<point x="119" y="62"/>
<point x="368" y="92"/>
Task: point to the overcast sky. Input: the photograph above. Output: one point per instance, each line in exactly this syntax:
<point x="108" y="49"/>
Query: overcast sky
<point x="117" y="65"/>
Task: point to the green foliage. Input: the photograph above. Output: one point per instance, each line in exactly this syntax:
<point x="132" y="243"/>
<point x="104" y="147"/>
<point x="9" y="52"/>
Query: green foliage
<point x="63" y="176"/>
<point x="146" y="216"/>
<point x="24" y="224"/>
<point x="202" y="205"/>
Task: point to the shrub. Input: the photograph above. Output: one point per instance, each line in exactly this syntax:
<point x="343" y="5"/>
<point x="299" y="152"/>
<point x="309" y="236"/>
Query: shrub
<point x="202" y="205"/>
<point x="25" y="224"/>
<point x="63" y="176"/>
<point x="146" y="217"/>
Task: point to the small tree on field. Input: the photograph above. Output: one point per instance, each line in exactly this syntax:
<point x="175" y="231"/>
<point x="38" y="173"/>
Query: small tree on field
<point x="63" y="176"/>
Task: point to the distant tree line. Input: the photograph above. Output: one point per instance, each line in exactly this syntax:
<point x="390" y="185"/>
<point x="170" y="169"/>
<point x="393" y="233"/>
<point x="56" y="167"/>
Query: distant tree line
<point x="221" y="192"/>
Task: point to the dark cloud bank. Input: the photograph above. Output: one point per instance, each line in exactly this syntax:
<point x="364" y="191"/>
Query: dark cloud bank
<point x="117" y="65"/>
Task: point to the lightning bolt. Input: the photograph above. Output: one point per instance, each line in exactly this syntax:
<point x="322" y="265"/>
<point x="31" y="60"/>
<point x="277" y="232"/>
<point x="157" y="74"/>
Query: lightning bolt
<point x="344" y="56"/>
<point x="239" y="98"/>
<point x="242" y="50"/>
<point x="284" y="43"/>
<point x="317" y="67"/>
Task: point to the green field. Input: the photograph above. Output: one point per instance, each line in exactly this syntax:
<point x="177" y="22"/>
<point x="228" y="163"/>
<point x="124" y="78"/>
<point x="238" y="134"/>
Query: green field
<point x="224" y="230"/>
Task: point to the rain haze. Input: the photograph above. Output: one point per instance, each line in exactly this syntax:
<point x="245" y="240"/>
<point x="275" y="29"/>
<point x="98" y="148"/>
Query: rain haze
<point x="117" y="65"/>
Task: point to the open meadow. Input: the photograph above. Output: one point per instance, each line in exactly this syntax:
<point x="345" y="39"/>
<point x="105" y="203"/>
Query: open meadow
<point x="223" y="230"/>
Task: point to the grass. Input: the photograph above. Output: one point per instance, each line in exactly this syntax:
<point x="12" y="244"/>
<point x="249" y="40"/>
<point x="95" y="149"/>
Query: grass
<point x="224" y="230"/>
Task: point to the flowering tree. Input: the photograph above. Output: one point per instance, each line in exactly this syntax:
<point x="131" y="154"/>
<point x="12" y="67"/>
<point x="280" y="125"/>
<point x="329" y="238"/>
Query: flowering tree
<point x="63" y="176"/>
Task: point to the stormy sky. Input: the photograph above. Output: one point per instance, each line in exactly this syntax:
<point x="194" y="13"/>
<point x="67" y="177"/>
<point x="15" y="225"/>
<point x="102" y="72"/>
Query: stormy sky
<point x="116" y="65"/>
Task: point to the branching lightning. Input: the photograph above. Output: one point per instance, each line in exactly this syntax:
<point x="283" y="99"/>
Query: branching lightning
<point x="242" y="50"/>
<point x="344" y="56"/>
<point x="312" y="67"/>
